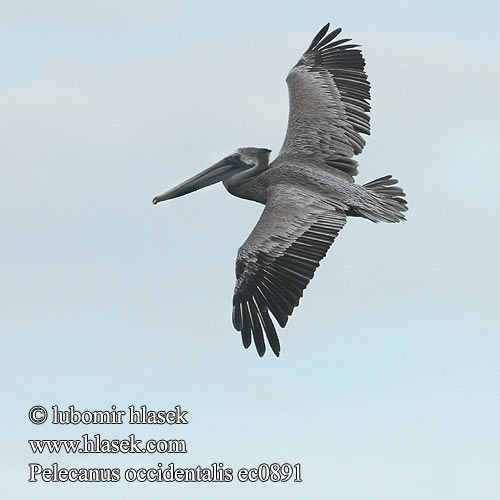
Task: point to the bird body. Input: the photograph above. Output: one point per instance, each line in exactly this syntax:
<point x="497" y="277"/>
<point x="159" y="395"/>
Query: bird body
<point x="308" y="190"/>
<point x="319" y="181"/>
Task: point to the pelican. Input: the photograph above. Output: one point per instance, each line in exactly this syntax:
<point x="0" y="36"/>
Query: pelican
<point x="308" y="190"/>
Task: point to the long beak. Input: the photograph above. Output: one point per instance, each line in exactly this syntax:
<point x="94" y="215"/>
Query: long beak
<point x="218" y="172"/>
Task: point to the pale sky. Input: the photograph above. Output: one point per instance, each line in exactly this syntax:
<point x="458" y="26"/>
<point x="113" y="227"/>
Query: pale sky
<point x="388" y="382"/>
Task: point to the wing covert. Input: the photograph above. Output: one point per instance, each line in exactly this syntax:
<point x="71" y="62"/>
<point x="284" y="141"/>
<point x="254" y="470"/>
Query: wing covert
<point x="329" y="97"/>
<point x="279" y="258"/>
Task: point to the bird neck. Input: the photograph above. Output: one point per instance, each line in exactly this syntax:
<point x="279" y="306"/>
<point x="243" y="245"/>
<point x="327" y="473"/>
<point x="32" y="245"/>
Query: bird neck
<point x="247" y="184"/>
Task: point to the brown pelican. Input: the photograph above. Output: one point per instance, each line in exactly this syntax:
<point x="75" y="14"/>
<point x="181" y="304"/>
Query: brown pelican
<point x="308" y="190"/>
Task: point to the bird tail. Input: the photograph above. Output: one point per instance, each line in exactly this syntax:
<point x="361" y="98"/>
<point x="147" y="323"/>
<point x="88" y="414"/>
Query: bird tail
<point x="387" y="204"/>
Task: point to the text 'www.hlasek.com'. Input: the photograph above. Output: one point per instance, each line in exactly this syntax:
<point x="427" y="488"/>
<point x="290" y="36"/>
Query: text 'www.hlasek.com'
<point x="95" y="443"/>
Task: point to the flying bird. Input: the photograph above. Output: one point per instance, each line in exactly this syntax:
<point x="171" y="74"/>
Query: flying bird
<point x="308" y="190"/>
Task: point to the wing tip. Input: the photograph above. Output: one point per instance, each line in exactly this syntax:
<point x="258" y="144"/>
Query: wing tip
<point x="319" y="36"/>
<point x="246" y="342"/>
<point x="323" y="38"/>
<point x="252" y="322"/>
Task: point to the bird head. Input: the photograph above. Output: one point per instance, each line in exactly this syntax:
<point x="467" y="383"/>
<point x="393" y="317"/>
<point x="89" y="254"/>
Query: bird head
<point x="242" y="159"/>
<point x="254" y="157"/>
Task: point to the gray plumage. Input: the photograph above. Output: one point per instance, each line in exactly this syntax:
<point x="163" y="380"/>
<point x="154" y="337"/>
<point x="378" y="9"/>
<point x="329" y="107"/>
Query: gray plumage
<point x="308" y="190"/>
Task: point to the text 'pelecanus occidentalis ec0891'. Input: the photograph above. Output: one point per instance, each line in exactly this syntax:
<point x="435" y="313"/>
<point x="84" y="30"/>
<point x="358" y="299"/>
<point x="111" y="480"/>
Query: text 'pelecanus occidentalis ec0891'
<point x="308" y="190"/>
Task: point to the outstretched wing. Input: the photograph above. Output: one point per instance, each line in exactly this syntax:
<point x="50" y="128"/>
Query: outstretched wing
<point x="329" y="100"/>
<point x="277" y="261"/>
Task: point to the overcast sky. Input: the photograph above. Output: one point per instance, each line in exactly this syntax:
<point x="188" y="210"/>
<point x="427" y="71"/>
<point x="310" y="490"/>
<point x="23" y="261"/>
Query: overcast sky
<point x="388" y="382"/>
